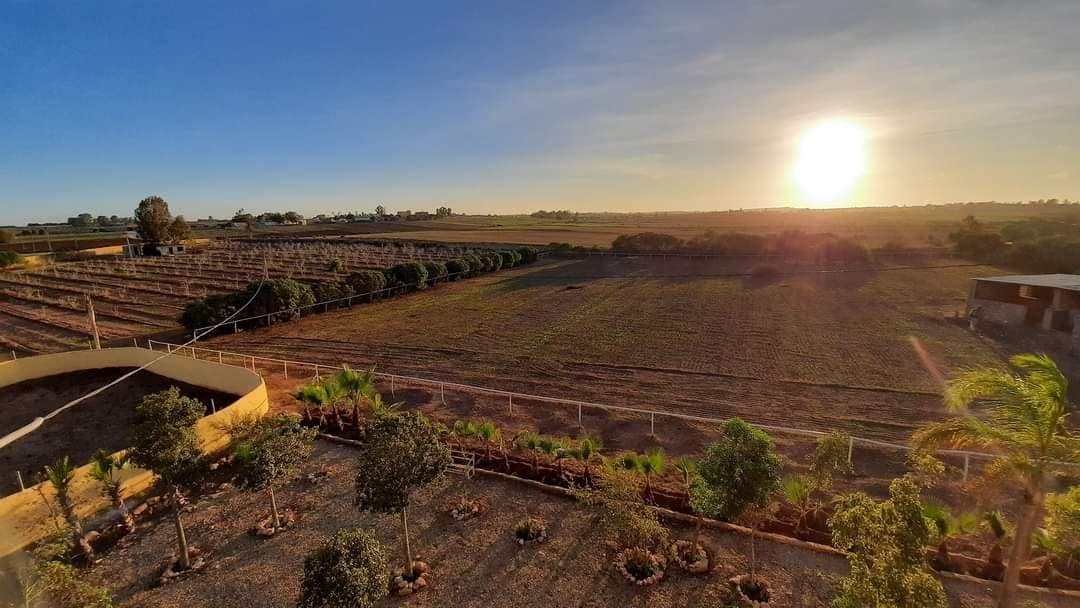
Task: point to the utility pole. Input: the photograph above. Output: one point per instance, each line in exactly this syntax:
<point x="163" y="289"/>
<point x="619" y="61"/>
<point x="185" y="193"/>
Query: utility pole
<point x="93" y="321"/>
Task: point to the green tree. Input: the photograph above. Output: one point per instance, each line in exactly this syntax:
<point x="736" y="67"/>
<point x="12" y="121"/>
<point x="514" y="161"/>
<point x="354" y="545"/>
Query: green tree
<point x="60" y="474"/>
<point x="530" y="442"/>
<point x="412" y="275"/>
<point x="104" y="468"/>
<point x="1063" y="520"/>
<point x="359" y="388"/>
<point x="179" y="231"/>
<point x="269" y="451"/>
<point x="621" y="513"/>
<point x="164" y="441"/>
<point x="153" y="219"/>
<point x="380" y="211"/>
<point x="457" y="269"/>
<point x="349" y="571"/>
<point x="585" y="452"/>
<point x="401" y="453"/>
<point x="738" y="474"/>
<point x="830" y="458"/>
<point x="336" y="266"/>
<point x="1025" y="424"/>
<point x="367" y="281"/>
<point x="885" y="542"/>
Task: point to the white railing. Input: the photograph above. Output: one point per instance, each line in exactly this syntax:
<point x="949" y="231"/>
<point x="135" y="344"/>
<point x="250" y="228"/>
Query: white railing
<point x="399" y="379"/>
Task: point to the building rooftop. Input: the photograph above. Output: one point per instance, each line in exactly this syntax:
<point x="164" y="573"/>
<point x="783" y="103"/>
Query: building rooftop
<point x="1069" y="282"/>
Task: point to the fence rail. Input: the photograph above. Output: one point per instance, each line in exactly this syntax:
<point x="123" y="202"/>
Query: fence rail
<point x="442" y="385"/>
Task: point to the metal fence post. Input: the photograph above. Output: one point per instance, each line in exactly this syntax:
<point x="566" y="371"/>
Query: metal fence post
<point x="442" y="393"/>
<point x="579" y="414"/>
<point x="213" y="406"/>
<point x="511" y="396"/>
<point x="316" y="371"/>
<point x="19" y="475"/>
<point x="235" y="328"/>
<point x="652" y="423"/>
<point x="168" y="348"/>
<point x="967" y="459"/>
<point x="219" y="356"/>
<point x="286" y="364"/>
<point x="850" y="447"/>
<point x="253" y="364"/>
<point x="392" y="393"/>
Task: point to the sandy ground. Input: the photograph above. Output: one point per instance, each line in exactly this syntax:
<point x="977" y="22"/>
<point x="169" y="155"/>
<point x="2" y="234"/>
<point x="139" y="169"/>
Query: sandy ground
<point x="474" y="563"/>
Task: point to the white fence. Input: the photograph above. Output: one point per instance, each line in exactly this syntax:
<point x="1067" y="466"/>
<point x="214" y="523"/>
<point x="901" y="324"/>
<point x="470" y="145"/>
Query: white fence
<point x="397" y="380"/>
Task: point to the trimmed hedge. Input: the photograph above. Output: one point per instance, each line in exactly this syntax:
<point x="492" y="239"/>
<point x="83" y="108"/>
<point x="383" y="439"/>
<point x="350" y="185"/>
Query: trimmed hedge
<point x="528" y="254"/>
<point x="494" y="260"/>
<point x="367" y="281"/>
<point x="436" y="271"/>
<point x="413" y="275"/>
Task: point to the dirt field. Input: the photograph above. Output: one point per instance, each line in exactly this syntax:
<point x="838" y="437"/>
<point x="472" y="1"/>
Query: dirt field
<point x="474" y="563"/>
<point x="812" y="351"/>
<point x="100" y="422"/>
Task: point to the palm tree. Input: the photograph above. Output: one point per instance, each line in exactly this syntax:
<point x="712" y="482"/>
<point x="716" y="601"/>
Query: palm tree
<point x="60" y="474"/>
<point x="335" y="394"/>
<point x="797" y="491"/>
<point x="104" y="468"/>
<point x="651" y="463"/>
<point x="687" y="468"/>
<point x="1024" y="423"/>
<point x="380" y="409"/>
<point x="490" y="435"/>
<point x="312" y="395"/>
<point x="357" y="388"/>
<point x="553" y="449"/>
<point x="530" y="442"/>
<point x="585" y="451"/>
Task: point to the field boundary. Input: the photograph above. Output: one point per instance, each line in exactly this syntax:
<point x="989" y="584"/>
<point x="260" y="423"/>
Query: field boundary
<point x="249" y="361"/>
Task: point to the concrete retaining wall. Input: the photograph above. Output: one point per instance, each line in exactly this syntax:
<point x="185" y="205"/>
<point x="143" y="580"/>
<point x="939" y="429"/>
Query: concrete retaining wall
<point x="1000" y="312"/>
<point x="25" y="519"/>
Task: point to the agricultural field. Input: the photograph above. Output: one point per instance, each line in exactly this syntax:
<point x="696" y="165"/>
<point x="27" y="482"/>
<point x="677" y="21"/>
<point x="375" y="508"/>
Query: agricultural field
<point x="42" y="309"/>
<point x="857" y="351"/>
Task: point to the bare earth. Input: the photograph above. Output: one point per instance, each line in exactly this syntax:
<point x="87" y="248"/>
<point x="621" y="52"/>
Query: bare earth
<point x="474" y="563"/>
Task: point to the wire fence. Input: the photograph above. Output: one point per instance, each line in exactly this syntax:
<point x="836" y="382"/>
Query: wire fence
<point x="287" y="366"/>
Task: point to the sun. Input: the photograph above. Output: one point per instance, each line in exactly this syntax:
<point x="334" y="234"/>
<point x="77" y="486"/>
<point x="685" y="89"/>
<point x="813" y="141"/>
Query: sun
<point x="830" y="160"/>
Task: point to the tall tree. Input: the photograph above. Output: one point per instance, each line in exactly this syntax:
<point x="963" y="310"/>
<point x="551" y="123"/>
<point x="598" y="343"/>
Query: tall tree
<point x="401" y="453"/>
<point x="164" y="441"/>
<point x="179" y="231"/>
<point x="269" y="451"/>
<point x="1022" y="418"/>
<point x="153" y="219"/>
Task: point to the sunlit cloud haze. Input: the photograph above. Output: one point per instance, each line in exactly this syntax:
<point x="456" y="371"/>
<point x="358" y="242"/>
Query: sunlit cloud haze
<point x="505" y="108"/>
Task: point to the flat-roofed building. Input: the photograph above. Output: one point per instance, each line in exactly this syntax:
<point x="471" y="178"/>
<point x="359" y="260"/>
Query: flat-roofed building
<point x="1049" y="301"/>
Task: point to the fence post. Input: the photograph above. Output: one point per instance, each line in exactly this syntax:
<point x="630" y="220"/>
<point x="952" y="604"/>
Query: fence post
<point x="193" y="353"/>
<point x="652" y="423"/>
<point x="966" y="462"/>
<point x="13" y="355"/>
<point x="168" y="348"/>
<point x="511" y="396"/>
<point x="213" y="406"/>
<point x="579" y="414"/>
<point x="286" y="363"/>
<point x="134" y="341"/>
<point x="219" y="357"/>
<point x="235" y="328"/>
<point x="392" y="393"/>
<point x="252" y="363"/>
<point x="150" y="345"/>
<point x="316" y="371"/>
<point x="442" y="394"/>
<point x="19" y="475"/>
<point x="850" y="447"/>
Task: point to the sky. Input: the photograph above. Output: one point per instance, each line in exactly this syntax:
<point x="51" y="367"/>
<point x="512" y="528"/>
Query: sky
<point x="505" y="107"/>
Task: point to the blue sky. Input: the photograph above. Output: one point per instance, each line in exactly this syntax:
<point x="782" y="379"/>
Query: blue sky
<point x="512" y="106"/>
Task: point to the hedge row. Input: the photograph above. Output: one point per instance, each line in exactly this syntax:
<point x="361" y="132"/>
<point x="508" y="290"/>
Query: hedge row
<point x="285" y="295"/>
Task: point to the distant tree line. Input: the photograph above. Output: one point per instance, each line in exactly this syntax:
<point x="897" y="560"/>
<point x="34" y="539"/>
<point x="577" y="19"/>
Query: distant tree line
<point x="562" y="214"/>
<point x="1034" y="245"/>
<point x="823" y="247"/>
<point x="284" y="296"/>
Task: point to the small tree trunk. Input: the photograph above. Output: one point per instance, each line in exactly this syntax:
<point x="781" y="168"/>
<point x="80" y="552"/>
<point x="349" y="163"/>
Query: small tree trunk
<point x="697" y="529"/>
<point x="125" y="514"/>
<point x="356" y="419"/>
<point x="276" y="519"/>
<point x="1021" y="546"/>
<point x="753" y="553"/>
<point x="408" y="548"/>
<point x="181" y="538"/>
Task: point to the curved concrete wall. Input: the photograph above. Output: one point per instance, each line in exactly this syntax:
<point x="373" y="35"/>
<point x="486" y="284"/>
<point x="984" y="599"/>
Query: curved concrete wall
<point x="25" y="519"/>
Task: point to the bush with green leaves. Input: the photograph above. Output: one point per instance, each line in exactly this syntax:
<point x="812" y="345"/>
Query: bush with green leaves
<point x="885" y="542"/>
<point x="63" y="586"/>
<point x="10" y="258"/>
<point x="831" y="457"/>
<point x="738" y="472"/>
<point x="325" y="291"/>
<point x="367" y="281"/>
<point x="164" y="441"/>
<point x="494" y="260"/>
<point x="509" y="258"/>
<point x="411" y="275"/>
<point x="336" y="266"/>
<point x="436" y="271"/>
<point x="270" y="450"/>
<point x="457" y="269"/>
<point x="277" y="295"/>
<point x="207" y="312"/>
<point x="477" y="264"/>
<point x="401" y="453"/>
<point x="349" y="571"/>
<point x="1063" y="521"/>
<point x="621" y="513"/>
<point x="528" y="254"/>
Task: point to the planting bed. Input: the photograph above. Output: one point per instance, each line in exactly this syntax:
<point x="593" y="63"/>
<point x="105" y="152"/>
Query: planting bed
<point x="101" y="422"/>
<point x="472" y="563"/>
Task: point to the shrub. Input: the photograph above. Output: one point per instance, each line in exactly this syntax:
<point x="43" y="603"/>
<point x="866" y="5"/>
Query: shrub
<point x="738" y="472"/>
<point x="647" y="242"/>
<point x="621" y="513"/>
<point x="207" y="312"/>
<point x="436" y="271"/>
<point x="457" y="269"/>
<point x="477" y="263"/>
<point x="831" y="457"/>
<point x="325" y="291"/>
<point x="494" y="260"/>
<point x="336" y="266"/>
<point x="508" y="260"/>
<point x="885" y="543"/>
<point x="277" y="295"/>
<point x="349" y="571"/>
<point x="412" y="275"/>
<point x="65" y="587"/>
<point x="367" y="281"/>
<point x="1063" y="520"/>
<point x="10" y="258"/>
<point x="528" y="254"/>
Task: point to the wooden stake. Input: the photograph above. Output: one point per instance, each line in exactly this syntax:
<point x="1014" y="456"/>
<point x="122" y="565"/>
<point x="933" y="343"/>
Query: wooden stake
<point x="93" y="321"/>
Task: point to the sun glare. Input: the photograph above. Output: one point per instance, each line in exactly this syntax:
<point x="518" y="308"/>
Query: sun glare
<point x="830" y="160"/>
